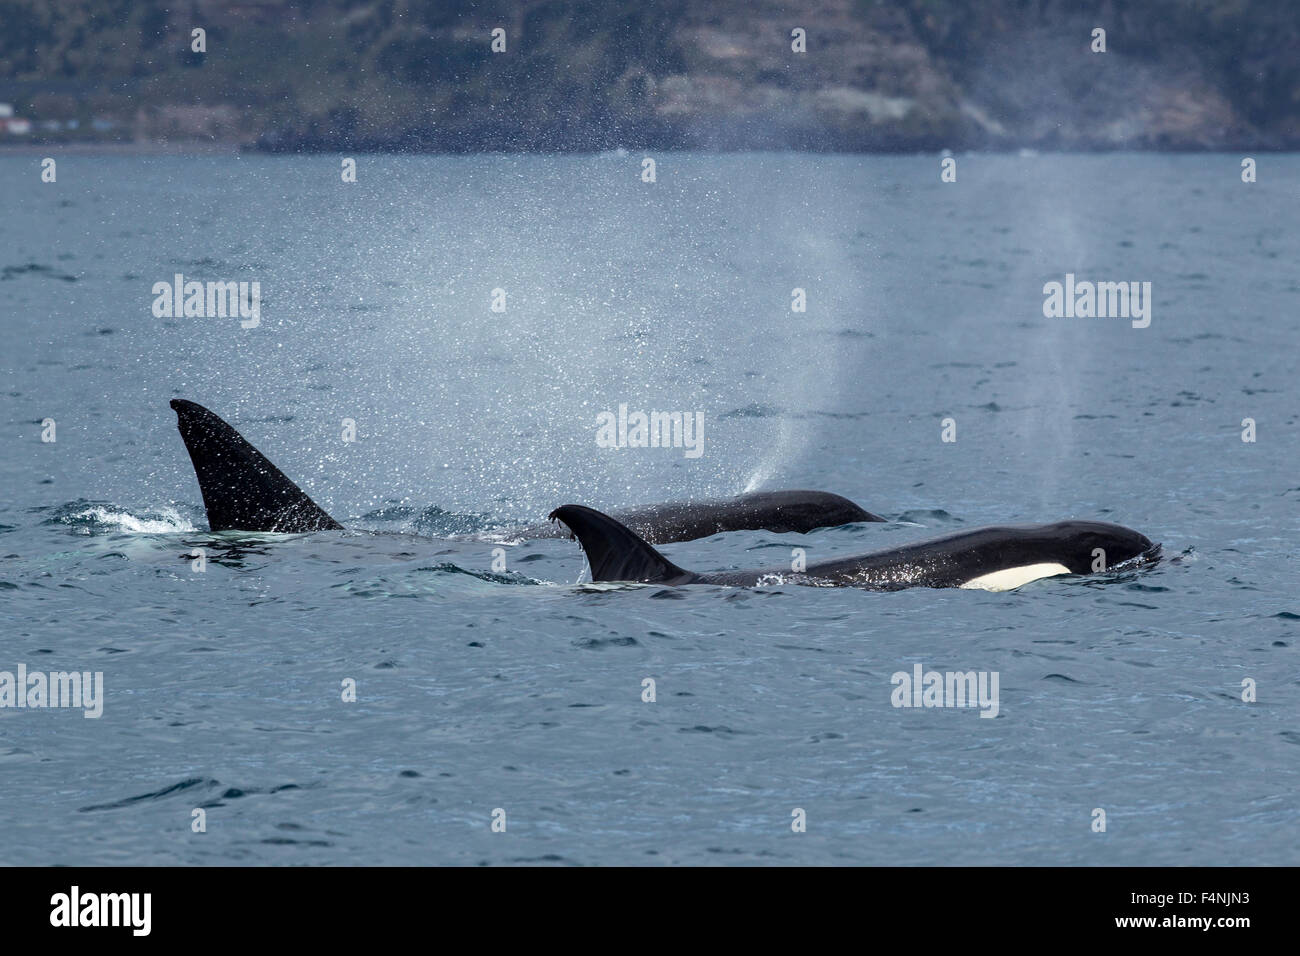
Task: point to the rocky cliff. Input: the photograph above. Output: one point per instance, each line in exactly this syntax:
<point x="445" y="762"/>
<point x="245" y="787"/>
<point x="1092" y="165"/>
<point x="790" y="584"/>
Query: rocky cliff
<point x="717" y="74"/>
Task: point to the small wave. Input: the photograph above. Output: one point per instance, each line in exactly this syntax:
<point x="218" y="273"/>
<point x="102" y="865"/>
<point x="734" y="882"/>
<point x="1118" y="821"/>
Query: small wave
<point x="599" y="587"/>
<point x="34" y="268"/>
<point x="90" y="517"/>
<point x="432" y="521"/>
<point x="204" y="783"/>
<point x="492" y="577"/>
<point x="922" y="516"/>
<point x="166" y="521"/>
<point x="753" y="410"/>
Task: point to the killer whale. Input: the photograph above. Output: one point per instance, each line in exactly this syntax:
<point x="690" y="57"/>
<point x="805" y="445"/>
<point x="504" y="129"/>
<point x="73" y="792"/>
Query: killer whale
<point x="994" y="558"/>
<point x="243" y="491"/>
<point x="777" y="511"/>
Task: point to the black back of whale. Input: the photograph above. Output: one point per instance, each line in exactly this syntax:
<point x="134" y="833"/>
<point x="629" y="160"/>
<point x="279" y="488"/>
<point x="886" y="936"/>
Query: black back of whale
<point x="615" y="553"/>
<point x="243" y="491"/>
<point x="777" y="511"/>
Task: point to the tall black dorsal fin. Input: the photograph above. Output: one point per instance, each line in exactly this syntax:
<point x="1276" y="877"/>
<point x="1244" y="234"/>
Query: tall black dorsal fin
<point x="242" y="490"/>
<point x="614" y="552"/>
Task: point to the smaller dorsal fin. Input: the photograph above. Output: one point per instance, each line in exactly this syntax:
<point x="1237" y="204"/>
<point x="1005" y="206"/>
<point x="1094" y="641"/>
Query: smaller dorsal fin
<point x="614" y="552"/>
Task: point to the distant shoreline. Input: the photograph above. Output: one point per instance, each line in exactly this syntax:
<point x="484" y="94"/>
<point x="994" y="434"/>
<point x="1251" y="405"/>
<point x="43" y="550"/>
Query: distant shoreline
<point x="185" y="148"/>
<point x="200" y="148"/>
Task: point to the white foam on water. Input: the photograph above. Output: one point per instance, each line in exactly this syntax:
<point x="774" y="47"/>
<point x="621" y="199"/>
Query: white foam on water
<point x="163" y="521"/>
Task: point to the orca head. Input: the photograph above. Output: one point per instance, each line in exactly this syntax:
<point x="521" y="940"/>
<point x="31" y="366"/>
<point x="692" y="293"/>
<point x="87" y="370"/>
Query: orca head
<point x="1087" y="547"/>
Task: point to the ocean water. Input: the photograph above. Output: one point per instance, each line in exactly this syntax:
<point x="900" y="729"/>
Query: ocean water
<point x="497" y="680"/>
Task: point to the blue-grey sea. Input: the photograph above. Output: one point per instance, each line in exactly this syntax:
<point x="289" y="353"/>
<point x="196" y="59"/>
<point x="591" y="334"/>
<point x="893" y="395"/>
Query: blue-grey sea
<point x="499" y="685"/>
